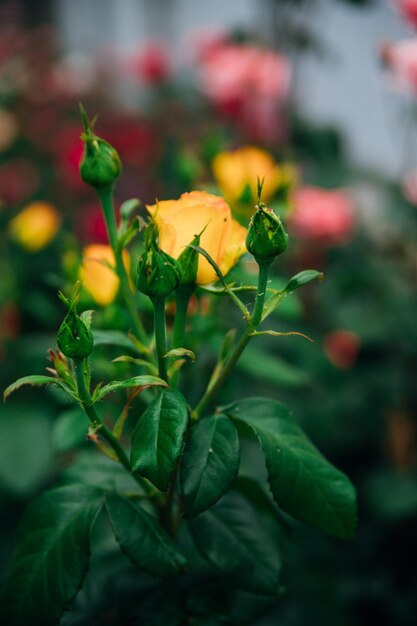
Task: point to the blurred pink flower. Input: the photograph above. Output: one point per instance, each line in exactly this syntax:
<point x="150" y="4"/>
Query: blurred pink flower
<point x="322" y="216"/>
<point x="248" y="84"/>
<point x="150" y="62"/>
<point x="342" y="348"/>
<point x="200" y="42"/>
<point x="235" y="73"/>
<point x="401" y="60"/>
<point x="408" y="9"/>
<point x="409" y="186"/>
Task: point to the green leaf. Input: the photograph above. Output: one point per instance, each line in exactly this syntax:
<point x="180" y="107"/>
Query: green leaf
<point x="97" y="470"/>
<point x="294" y="283"/>
<point x="157" y="438"/>
<point x="128" y="207"/>
<point x="302" y="481"/>
<point x="142" y="539"/>
<point x="35" y="381"/>
<point x="140" y="362"/>
<point x="69" y="430"/>
<point x="87" y="317"/>
<point x="302" y="278"/>
<point x="272" y="303"/>
<point x="210" y="463"/>
<point x="141" y="382"/>
<point x="51" y="557"/>
<point x="180" y="353"/>
<point x="275" y="333"/>
<point x="240" y="537"/>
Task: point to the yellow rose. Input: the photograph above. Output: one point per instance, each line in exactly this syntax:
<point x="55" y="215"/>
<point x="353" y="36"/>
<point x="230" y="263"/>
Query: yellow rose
<point x="179" y="221"/>
<point x="35" y="225"/>
<point x="235" y="171"/>
<point x="98" y="279"/>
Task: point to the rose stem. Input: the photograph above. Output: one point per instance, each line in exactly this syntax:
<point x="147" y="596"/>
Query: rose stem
<point x="182" y="298"/>
<point x="160" y="335"/>
<point x="106" y="200"/>
<point x="90" y="410"/>
<point x="214" y="386"/>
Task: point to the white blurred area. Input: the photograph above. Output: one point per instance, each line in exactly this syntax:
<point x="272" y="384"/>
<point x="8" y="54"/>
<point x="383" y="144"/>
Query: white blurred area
<point x="344" y="86"/>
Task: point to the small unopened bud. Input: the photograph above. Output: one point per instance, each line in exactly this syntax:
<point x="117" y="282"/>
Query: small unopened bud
<point x="266" y="238"/>
<point x="60" y="363"/>
<point x="100" y="164"/>
<point x="158" y="273"/>
<point x="74" y="338"/>
<point x="188" y="261"/>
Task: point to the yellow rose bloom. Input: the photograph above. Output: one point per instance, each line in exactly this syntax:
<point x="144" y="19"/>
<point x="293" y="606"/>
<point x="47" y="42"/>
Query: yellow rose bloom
<point x="179" y="221"/>
<point x="235" y="171"/>
<point x="98" y="279"/>
<point x="35" y="225"/>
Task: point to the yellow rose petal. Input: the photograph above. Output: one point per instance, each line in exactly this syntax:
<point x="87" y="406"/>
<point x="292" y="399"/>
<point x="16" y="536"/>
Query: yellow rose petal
<point x="179" y="221"/>
<point x="235" y="247"/>
<point x="98" y="279"/>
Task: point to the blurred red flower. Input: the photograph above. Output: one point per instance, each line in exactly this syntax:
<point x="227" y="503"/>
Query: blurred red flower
<point x="322" y="216"/>
<point x="408" y="9"/>
<point x="67" y="148"/>
<point x="150" y="62"/>
<point x="19" y="179"/>
<point x="91" y="226"/>
<point x="342" y="348"/>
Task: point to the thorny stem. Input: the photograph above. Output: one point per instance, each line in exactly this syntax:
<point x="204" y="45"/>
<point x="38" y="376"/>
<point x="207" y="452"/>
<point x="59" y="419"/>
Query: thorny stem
<point x="160" y="335"/>
<point x="95" y="419"/>
<point x="106" y="199"/>
<point x="224" y="371"/>
<point x="182" y="299"/>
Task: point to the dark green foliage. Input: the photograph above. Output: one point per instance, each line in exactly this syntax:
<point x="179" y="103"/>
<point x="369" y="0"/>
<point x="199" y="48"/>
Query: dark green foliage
<point x="239" y="536"/>
<point x="303" y="483"/>
<point x="157" y="439"/>
<point x="142" y="538"/>
<point x="210" y="463"/>
<point x="51" y="558"/>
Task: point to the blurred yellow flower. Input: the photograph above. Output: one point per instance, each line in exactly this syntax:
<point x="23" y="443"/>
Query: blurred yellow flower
<point x="238" y="171"/>
<point x="179" y="221"/>
<point x="35" y="225"/>
<point x="98" y="279"/>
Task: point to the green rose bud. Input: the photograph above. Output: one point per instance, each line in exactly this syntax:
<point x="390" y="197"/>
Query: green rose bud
<point x="100" y="164"/>
<point x="266" y="238"/>
<point x="188" y="261"/>
<point x="74" y="337"/>
<point x="158" y="273"/>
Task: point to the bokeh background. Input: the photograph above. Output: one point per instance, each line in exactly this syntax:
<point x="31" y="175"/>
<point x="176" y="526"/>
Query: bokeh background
<point x="318" y="95"/>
